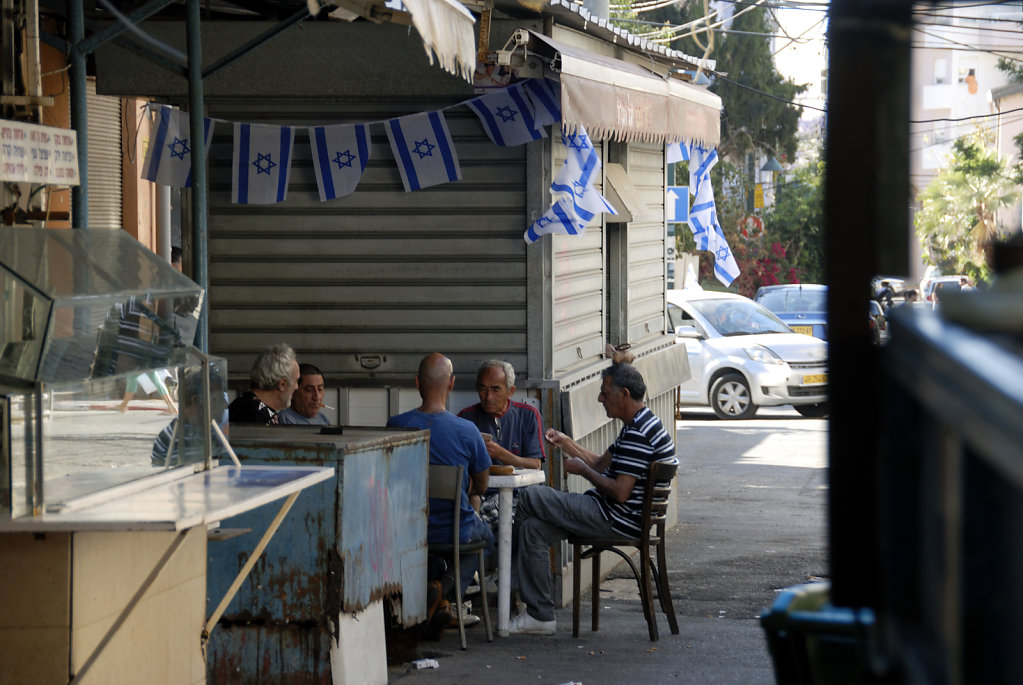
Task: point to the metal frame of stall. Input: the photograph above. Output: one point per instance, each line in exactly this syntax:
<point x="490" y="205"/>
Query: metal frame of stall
<point x="191" y="68"/>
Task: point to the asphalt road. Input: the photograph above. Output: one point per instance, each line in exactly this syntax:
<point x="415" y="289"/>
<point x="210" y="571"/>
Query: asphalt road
<point x="752" y="521"/>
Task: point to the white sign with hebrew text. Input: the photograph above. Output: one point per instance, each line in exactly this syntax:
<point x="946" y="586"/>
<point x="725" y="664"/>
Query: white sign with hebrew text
<point x="38" y="154"/>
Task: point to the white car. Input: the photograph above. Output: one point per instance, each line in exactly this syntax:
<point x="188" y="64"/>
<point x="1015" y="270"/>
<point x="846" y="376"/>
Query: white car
<point x="741" y="356"/>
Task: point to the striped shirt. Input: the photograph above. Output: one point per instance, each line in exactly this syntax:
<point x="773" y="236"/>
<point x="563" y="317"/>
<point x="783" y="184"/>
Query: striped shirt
<point x="641" y="442"/>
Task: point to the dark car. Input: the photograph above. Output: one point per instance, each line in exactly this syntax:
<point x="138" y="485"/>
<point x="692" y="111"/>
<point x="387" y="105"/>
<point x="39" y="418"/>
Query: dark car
<point x="803" y="306"/>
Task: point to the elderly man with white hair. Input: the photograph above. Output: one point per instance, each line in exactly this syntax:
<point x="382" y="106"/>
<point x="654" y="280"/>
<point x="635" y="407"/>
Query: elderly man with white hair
<point x="272" y="380"/>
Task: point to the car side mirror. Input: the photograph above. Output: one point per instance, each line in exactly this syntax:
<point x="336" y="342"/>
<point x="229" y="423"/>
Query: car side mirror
<point x="687" y="332"/>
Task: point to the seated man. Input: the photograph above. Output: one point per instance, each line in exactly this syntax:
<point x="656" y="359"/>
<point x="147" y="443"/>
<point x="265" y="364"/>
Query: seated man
<point x="273" y="379"/>
<point x="190" y="445"/>
<point x="510" y="429"/>
<point x="307" y="400"/>
<point x="455" y="442"/>
<point x="613" y="508"/>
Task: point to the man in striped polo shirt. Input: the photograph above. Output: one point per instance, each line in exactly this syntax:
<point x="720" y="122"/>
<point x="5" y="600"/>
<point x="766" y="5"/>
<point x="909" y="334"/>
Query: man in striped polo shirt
<point x="613" y="508"/>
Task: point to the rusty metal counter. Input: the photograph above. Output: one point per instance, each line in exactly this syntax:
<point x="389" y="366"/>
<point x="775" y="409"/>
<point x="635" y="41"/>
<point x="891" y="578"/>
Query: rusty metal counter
<point x="348" y="543"/>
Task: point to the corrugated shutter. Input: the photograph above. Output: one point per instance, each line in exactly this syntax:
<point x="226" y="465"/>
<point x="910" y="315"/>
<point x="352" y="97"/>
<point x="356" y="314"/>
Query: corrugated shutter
<point x="104" y="143"/>
<point x="578" y="288"/>
<point x="647" y="275"/>
<point x="364" y="286"/>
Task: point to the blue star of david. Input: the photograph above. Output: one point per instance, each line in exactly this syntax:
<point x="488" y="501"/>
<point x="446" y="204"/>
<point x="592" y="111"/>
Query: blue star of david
<point x="579" y="188"/>
<point x="543" y="221"/>
<point x="423" y="148"/>
<point x="506" y="113"/>
<point x="343" y="159"/>
<point x="262" y="168"/>
<point x="179" y="148"/>
<point x="576" y="142"/>
<point x="723" y="253"/>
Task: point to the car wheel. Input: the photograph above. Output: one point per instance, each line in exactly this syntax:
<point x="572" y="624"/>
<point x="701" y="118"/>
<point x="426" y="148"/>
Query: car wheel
<point x="813" y="411"/>
<point x="730" y="397"/>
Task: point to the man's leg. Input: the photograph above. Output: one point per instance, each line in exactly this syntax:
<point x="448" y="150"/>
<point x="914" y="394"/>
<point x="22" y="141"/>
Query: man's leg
<point x="479" y="530"/>
<point x="547" y="516"/>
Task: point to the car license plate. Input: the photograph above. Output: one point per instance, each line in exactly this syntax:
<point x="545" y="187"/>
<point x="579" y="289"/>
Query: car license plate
<point x="805" y="330"/>
<point x="815" y="378"/>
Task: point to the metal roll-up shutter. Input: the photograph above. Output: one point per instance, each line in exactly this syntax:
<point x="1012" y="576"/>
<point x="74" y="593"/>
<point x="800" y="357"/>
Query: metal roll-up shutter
<point x="647" y="275"/>
<point x="365" y="285"/>
<point x="578" y="287"/>
<point x="104" y="145"/>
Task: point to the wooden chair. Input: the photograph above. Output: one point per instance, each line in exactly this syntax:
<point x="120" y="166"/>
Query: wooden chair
<point x="446" y="483"/>
<point x="655" y="506"/>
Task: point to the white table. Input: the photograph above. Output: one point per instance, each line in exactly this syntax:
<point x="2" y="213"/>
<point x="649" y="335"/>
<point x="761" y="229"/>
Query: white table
<point x="505" y="486"/>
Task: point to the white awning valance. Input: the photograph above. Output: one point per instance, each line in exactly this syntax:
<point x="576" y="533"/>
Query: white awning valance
<point x="620" y="100"/>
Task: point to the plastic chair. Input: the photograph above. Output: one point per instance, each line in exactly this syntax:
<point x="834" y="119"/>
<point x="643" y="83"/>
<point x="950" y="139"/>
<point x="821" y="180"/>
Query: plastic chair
<point x="446" y="484"/>
<point x="655" y="507"/>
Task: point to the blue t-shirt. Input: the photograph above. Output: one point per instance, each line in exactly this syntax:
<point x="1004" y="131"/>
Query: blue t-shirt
<point x="290" y="417"/>
<point x="453" y="442"/>
<point x="517" y="429"/>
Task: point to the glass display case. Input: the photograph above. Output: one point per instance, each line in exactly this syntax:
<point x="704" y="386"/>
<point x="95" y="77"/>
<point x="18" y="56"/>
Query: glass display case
<point x="100" y="384"/>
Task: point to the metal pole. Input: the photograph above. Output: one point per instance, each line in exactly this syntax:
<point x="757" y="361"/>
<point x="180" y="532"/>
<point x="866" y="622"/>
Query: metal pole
<point x="199" y="190"/>
<point x="79" y="115"/>
<point x="163" y="221"/>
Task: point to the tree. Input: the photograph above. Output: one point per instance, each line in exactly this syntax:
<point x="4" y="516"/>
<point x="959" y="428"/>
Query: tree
<point x="956" y="222"/>
<point x="791" y="247"/>
<point x="757" y="116"/>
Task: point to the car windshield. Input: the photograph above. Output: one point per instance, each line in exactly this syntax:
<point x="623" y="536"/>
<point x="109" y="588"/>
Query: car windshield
<point x="739" y="317"/>
<point x="787" y="300"/>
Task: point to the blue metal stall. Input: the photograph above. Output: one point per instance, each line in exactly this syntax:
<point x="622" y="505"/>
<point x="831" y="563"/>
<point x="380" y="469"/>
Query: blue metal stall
<point x="349" y="543"/>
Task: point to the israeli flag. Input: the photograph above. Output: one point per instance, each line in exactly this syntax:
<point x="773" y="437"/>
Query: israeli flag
<point x="507" y="116"/>
<point x="676" y="152"/>
<point x="725" y="267"/>
<point x="339" y="157"/>
<point x="262" y="163"/>
<point x="582" y="163"/>
<point x="169" y="157"/>
<point x="703" y="218"/>
<point x="546" y="98"/>
<point x="560" y="218"/>
<point x="574" y="181"/>
<point x="577" y="202"/>
<point x="701" y="161"/>
<point x="423" y="149"/>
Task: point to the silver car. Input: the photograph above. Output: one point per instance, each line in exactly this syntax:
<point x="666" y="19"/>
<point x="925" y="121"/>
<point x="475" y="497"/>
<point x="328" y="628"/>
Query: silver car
<point x="741" y="356"/>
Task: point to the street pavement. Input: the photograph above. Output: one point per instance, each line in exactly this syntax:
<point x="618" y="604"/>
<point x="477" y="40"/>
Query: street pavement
<point x="752" y="521"/>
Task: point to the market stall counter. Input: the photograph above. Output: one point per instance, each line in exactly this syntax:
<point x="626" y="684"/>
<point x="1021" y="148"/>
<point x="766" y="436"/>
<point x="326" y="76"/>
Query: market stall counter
<point x="353" y="553"/>
<point x="107" y="496"/>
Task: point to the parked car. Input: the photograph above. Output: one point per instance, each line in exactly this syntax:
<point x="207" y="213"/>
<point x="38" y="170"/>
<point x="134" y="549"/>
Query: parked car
<point x="945" y="283"/>
<point x="742" y="357"/>
<point x="803" y="306"/>
<point x="896" y="283"/>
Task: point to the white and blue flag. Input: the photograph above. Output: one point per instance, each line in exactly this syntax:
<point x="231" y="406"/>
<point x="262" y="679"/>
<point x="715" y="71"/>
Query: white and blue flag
<point x="676" y="152"/>
<point x="577" y="202"/>
<point x="262" y="163"/>
<point x="576" y="176"/>
<point x="546" y="98"/>
<point x="169" y="157"/>
<point x="339" y="157"/>
<point x="703" y="217"/>
<point x="422" y="146"/>
<point x="507" y="116"/>
<point x="701" y="161"/>
<point x="559" y="218"/>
